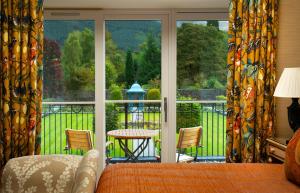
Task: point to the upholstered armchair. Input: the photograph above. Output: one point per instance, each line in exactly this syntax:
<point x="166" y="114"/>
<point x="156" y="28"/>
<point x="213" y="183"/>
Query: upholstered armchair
<point x="51" y="173"/>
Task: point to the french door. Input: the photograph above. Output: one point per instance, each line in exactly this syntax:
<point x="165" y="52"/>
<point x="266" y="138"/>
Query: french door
<point x="142" y="78"/>
<point x="134" y="55"/>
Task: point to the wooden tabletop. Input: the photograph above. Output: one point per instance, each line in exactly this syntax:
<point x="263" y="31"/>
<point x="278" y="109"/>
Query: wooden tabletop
<point x="132" y="133"/>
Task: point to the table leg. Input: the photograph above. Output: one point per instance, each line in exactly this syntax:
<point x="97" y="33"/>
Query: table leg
<point x="130" y="154"/>
<point x="142" y="147"/>
<point x="126" y="150"/>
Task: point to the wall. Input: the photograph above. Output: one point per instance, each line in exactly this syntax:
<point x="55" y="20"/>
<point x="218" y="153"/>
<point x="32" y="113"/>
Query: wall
<point x="288" y="56"/>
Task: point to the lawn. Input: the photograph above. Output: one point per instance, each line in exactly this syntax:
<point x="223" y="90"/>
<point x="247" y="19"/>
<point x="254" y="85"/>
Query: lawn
<point x="53" y="130"/>
<point x="54" y="139"/>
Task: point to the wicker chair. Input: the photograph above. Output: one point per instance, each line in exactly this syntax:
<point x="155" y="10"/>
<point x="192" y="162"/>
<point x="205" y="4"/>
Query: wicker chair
<point x="81" y="140"/>
<point x="188" y="138"/>
<point x="78" y="140"/>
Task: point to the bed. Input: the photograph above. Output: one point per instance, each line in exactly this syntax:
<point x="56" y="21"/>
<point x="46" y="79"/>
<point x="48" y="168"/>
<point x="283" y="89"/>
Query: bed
<point x="195" y="178"/>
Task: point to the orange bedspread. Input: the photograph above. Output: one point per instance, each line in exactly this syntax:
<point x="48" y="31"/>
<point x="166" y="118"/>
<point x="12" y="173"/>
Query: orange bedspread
<point x="195" y="178"/>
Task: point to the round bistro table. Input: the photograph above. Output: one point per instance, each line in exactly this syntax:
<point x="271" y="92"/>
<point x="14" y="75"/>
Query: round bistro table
<point x="125" y="134"/>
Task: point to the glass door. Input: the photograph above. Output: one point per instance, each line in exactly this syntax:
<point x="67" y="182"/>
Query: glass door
<point x="134" y="87"/>
<point x="201" y="83"/>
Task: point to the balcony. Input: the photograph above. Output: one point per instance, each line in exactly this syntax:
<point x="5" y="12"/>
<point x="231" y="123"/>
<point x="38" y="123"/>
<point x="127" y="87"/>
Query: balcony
<point x="58" y="116"/>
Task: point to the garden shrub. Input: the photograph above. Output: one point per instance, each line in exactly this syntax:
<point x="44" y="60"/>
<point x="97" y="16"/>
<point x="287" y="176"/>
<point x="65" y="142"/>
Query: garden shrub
<point x="115" y="92"/>
<point x="153" y="94"/>
<point x="111" y="117"/>
<point x="111" y="112"/>
<point x="188" y="114"/>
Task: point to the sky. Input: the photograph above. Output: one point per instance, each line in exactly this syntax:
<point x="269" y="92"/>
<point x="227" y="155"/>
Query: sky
<point x="223" y="25"/>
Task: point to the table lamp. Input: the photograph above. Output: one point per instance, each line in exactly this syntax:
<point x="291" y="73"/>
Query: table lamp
<point x="289" y="87"/>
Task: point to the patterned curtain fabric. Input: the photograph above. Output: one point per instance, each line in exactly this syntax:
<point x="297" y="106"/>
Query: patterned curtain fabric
<point x="251" y="78"/>
<point x="21" y="77"/>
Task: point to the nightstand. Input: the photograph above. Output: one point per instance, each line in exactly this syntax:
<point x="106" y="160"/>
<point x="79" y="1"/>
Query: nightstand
<point x="276" y="149"/>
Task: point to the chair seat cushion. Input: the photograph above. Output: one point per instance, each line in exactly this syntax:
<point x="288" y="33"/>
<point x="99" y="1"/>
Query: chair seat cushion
<point x="46" y="173"/>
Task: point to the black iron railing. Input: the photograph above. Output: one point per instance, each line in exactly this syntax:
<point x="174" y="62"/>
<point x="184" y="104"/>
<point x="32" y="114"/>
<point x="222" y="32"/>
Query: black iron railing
<point x="59" y="116"/>
<point x="211" y="115"/>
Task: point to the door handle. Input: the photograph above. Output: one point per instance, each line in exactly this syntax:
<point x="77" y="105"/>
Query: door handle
<point x="166" y="109"/>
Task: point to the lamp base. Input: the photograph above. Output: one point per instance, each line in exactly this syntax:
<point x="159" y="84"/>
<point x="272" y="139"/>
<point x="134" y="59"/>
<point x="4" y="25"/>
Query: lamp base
<point x="294" y="114"/>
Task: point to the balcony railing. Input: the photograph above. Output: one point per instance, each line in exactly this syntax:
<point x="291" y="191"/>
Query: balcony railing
<point x="137" y="115"/>
<point x="59" y="116"/>
<point x="211" y="115"/>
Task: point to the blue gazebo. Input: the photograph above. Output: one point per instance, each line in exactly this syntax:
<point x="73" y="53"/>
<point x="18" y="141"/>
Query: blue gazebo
<point x="136" y="92"/>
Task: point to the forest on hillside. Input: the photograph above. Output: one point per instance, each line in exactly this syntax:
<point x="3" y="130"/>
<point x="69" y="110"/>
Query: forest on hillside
<point x="133" y="53"/>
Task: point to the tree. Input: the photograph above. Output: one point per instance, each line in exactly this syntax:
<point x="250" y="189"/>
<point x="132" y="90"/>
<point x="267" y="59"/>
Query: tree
<point x="135" y="69"/>
<point x="213" y="23"/>
<point x="110" y="74"/>
<point x="201" y="54"/>
<point x="53" y="74"/>
<point x="80" y="78"/>
<point x="213" y="82"/>
<point x="153" y="83"/>
<point x="115" y="58"/>
<point x="87" y="42"/>
<point x="72" y="53"/>
<point x="78" y="65"/>
<point x="129" y="69"/>
<point x="149" y="67"/>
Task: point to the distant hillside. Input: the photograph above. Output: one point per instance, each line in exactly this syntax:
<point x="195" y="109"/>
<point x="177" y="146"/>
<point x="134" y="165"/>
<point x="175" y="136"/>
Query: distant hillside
<point x="130" y="34"/>
<point x="59" y="30"/>
<point x="126" y="34"/>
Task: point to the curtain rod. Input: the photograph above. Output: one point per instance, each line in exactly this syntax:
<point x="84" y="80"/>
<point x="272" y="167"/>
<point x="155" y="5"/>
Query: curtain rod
<point x="73" y="9"/>
<point x="135" y="9"/>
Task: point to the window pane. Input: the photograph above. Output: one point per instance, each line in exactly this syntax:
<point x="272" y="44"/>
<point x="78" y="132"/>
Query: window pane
<point x="201" y="84"/>
<point x="69" y="60"/>
<point x="201" y="59"/>
<point x="133" y="55"/>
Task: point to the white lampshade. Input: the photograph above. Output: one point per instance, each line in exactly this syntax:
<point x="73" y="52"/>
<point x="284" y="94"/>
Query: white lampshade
<point x="289" y="84"/>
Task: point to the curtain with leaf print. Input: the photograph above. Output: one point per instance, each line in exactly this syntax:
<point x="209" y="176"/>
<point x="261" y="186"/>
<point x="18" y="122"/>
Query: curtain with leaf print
<point x="251" y="78"/>
<point x="21" y="52"/>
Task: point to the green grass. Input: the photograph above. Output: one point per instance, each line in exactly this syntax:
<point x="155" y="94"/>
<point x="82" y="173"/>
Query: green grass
<point x="214" y="134"/>
<point x="53" y="130"/>
<point x="54" y="139"/>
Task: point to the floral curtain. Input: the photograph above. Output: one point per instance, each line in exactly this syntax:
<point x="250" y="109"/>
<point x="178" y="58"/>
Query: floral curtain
<point x="251" y="62"/>
<point x="21" y="52"/>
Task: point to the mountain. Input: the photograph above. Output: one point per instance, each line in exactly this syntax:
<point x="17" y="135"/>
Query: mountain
<point x="130" y="34"/>
<point x="59" y="29"/>
<point x="125" y="33"/>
